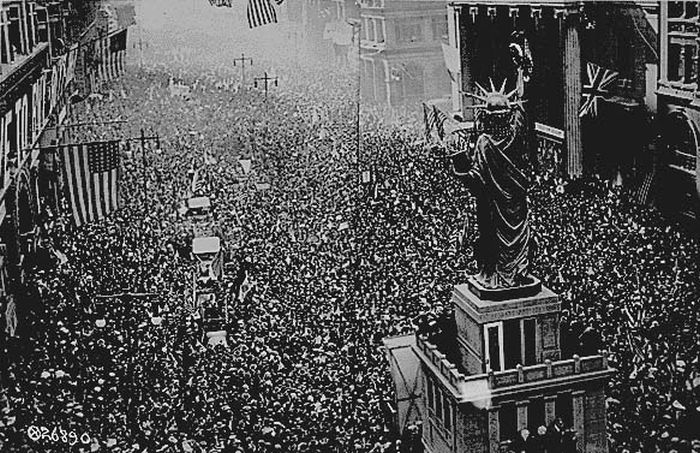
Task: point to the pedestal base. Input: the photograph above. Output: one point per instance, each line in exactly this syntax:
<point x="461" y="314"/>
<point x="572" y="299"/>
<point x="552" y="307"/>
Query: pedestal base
<point x="499" y="294"/>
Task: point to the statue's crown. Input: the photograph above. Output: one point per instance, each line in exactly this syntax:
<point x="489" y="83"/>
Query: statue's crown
<point x="495" y="100"/>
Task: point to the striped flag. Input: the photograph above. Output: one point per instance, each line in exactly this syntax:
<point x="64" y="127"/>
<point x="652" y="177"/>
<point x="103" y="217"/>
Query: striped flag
<point x="440" y="118"/>
<point x="596" y="87"/>
<point x="199" y="184"/>
<point x="261" y="12"/>
<point x="92" y="179"/>
<point x="428" y="120"/>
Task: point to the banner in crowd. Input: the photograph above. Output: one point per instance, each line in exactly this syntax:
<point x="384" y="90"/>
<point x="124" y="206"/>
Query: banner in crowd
<point x="177" y="88"/>
<point x="91" y="174"/>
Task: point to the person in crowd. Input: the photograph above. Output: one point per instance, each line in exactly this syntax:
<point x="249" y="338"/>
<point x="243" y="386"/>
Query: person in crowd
<point x="338" y="264"/>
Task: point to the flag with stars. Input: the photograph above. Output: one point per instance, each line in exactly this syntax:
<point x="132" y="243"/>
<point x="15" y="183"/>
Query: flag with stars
<point x="92" y="179"/>
<point x="596" y="87"/>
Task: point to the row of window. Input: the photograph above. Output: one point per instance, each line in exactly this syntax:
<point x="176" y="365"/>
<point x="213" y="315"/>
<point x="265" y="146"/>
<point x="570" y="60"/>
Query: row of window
<point x="508" y="415"/>
<point x="510" y="343"/>
<point x="683" y="10"/>
<point x="441" y="410"/>
<point x="439" y="405"/>
<point x="682" y="52"/>
<point x="406" y="30"/>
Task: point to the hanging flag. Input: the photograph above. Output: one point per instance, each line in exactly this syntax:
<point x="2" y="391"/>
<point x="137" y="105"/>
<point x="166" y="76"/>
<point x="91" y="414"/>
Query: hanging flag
<point x="198" y="186"/>
<point x="117" y="49"/>
<point x="596" y="87"/>
<point x="261" y="12"/>
<point x="92" y="177"/>
<point x="428" y="120"/>
<point x="452" y="61"/>
<point x="71" y="61"/>
<point x="10" y="318"/>
<point x="440" y="118"/>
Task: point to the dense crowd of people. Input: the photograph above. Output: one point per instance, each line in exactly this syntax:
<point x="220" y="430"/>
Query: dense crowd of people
<point x="348" y="245"/>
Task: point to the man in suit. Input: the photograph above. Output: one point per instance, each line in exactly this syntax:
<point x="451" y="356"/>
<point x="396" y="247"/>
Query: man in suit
<point x="523" y="442"/>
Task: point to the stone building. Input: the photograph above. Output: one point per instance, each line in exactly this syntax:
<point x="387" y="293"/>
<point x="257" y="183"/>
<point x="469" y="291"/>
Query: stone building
<point x="563" y="37"/>
<point x="401" y="58"/>
<point x="679" y="107"/>
<point x="495" y="370"/>
<point x="43" y="66"/>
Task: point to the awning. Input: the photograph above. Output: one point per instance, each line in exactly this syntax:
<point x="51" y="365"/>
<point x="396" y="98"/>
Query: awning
<point x="405" y="371"/>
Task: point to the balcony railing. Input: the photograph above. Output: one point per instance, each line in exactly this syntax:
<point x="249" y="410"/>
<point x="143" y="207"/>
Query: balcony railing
<point x="514" y="377"/>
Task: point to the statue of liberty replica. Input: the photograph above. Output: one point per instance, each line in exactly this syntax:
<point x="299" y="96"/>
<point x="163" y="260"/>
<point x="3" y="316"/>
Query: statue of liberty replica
<point x="494" y="170"/>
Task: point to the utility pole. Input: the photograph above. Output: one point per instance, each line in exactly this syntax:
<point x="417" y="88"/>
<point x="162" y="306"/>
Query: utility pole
<point x="243" y="59"/>
<point x="140" y="48"/>
<point x="145" y="175"/>
<point x="266" y="80"/>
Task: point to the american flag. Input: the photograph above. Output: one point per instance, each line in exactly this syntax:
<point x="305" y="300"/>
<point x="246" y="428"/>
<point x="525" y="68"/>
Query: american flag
<point x="261" y="12"/>
<point x="595" y="88"/>
<point x="92" y="179"/>
<point x="199" y="185"/>
<point x="428" y="120"/>
<point x="440" y="119"/>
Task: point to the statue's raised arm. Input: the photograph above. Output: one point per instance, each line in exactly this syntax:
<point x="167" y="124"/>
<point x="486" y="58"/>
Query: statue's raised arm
<point x="494" y="171"/>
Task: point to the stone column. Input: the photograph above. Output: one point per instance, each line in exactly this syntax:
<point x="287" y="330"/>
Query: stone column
<point x="571" y="55"/>
<point x="494" y="428"/>
<point x="522" y="413"/>
<point x="577" y="398"/>
<point x="454" y="25"/>
<point x="663" y="42"/>
<point x="549" y="409"/>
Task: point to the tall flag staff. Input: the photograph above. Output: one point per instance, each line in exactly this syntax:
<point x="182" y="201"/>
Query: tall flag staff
<point x="243" y="59"/>
<point x="266" y="81"/>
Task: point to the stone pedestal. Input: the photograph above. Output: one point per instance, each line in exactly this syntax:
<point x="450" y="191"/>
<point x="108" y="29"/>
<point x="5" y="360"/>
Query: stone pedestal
<point x="474" y="315"/>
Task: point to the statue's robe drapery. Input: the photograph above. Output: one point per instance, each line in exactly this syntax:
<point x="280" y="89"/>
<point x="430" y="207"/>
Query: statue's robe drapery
<point x="495" y="175"/>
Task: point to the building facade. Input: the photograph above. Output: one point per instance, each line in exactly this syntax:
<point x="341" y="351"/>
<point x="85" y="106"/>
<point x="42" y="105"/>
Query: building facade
<point x="401" y="51"/>
<point x="563" y="38"/>
<point x="495" y="370"/>
<point x="679" y="106"/>
<point x="47" y="58"/>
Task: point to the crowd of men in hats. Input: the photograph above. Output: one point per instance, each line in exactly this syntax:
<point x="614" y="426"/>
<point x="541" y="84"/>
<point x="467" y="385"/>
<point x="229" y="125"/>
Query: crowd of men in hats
<point x="337" y="262"/>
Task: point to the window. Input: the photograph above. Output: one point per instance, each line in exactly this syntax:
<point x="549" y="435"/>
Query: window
<point x="689" y="69"/>
<point x="511" y="345"/>
<point x="507" y="419"/>
<point x="563" y="408"/>
<point x="379" y="29"/>
<point x="494" y="339"/>
<point x="438" y="403"/>
<point x="370" y="30"/>
<point x="431" y="397"/>
<point x="529" y="327"/>
<point x="439" y="25"/>
<point x="535" y="414"/>
<point x="408" y="31"/>
<point x="681" y="50"/>
<point x="447" y="415"/>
